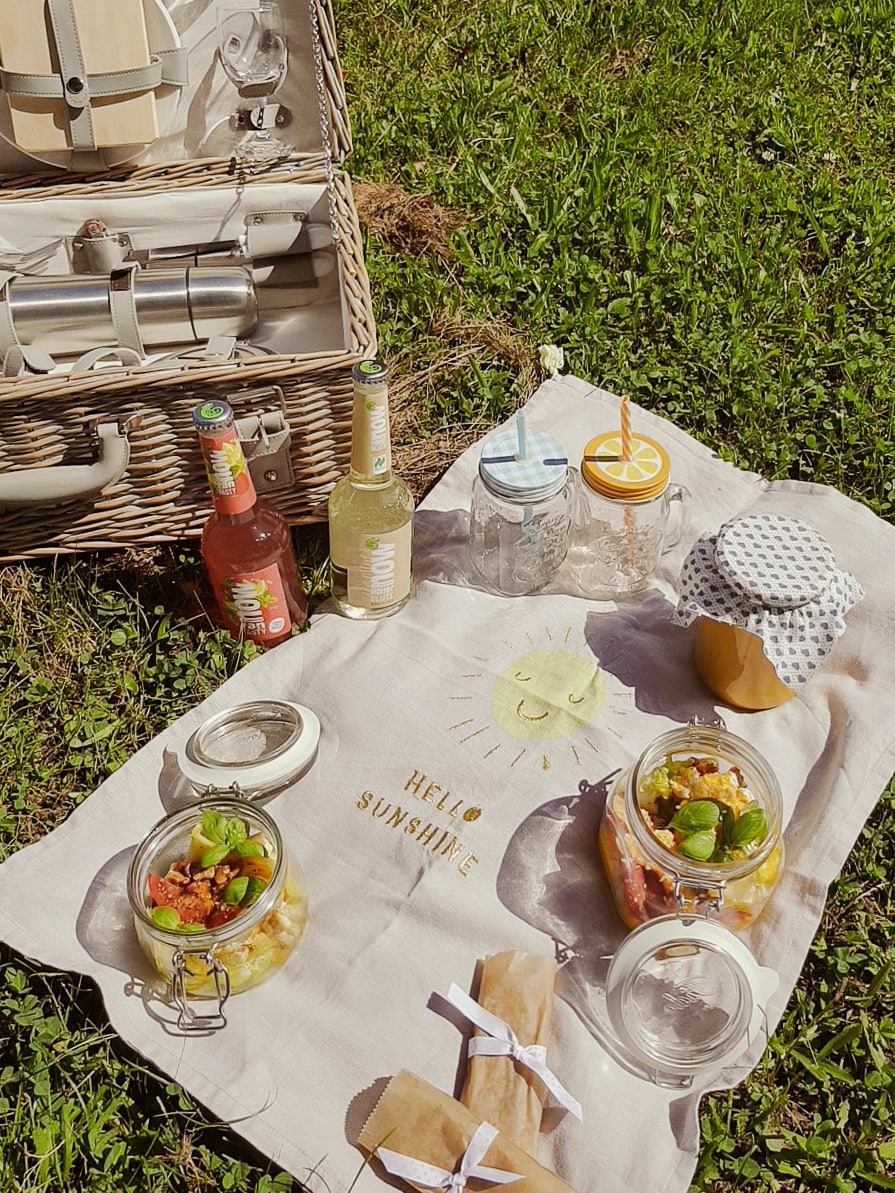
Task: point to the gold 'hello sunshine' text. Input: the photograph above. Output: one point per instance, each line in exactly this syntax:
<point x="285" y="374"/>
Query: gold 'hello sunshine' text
<point x="433" y="837"/>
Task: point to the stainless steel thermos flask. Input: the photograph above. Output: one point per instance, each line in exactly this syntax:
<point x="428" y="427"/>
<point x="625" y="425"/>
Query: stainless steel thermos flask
<point x="73" y="313"/>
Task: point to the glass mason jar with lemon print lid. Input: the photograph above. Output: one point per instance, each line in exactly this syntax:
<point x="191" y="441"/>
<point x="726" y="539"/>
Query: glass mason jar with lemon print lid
<point x="627" y="515"/>
<point x="694" y="827"/>
<point x="370" y="511"/>
<point x="246" y="543"/>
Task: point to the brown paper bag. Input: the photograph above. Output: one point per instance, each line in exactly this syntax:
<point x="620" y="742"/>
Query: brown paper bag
<point x="417" y="1120"/>
<point x="517" y="988"/>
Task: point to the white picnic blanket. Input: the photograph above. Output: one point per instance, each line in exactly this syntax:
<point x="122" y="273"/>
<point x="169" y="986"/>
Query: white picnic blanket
<point x="435" y="828"/>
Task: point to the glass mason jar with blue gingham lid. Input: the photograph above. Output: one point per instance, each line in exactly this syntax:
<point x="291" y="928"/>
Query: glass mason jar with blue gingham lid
<point x="521" y="510"/>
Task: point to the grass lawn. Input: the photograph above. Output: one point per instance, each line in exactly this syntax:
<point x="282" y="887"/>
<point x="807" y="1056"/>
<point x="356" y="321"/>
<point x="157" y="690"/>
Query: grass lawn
<point x="696" y="202"/>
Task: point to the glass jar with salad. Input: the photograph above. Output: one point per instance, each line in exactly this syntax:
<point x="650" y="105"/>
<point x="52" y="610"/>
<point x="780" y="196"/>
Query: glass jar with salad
<point x="218" y="904"/>
<point x="694" y="826"/>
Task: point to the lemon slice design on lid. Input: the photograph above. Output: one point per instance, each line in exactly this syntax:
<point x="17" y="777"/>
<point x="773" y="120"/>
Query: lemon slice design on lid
<point x="639" y="478"/>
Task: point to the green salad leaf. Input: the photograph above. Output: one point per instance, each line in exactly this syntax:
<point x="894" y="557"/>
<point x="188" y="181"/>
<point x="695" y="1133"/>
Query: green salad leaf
<point x="211" y="857"/>
<point x="235" y="890"/>
<point x="166" y="917"/>
<point x="253" y="890"/>
<point x="229" y="836"/>
<point x="249" y="849"/>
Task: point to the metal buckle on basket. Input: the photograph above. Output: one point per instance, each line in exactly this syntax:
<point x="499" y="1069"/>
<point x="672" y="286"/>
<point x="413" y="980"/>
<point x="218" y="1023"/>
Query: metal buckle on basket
<point x="187" y="1019"/>
<point x="265" y="439"/>
<point x="98" y="249"/>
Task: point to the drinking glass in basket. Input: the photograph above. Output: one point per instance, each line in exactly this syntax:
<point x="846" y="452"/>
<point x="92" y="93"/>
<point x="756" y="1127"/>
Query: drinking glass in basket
<point x="252" y="50"/>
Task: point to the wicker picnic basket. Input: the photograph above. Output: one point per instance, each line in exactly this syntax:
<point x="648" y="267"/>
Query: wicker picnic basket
<point x="75" y="425"/>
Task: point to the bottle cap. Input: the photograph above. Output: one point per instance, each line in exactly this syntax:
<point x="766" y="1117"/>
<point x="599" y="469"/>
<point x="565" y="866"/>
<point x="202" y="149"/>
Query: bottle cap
<point x="212" y="416"/>
<point x="370" y="372"/>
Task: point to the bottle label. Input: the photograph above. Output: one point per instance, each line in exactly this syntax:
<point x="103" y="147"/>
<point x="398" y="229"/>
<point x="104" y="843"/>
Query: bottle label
<point x="378" y="567"/>
<point x="371" y="452"/>
<point x="254" y="603"/>
<point x="232" y="489"/>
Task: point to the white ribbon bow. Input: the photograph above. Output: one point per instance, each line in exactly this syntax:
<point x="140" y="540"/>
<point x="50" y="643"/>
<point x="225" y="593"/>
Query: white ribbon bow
<point x="439" y="1178"/>
<point x="500" y="1040"/>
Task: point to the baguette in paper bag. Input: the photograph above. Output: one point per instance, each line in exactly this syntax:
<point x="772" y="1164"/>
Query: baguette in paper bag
<point x="418" y="1121"/>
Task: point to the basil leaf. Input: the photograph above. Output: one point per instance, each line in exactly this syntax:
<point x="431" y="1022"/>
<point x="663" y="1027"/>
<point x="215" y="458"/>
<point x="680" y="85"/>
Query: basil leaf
<point x="248" y="849"/>
<point x="235" y="830"/>
<point x="166" y="917"/>
<point x="728" y="820"/>
<point x="696" y="816"/>
<point x="213" y="826"/>
<point x="253" y="890"/>
<point x="212" y="856"/>
<point x="698" y="846"/>
<point x="235" y="890"/>
<point x="750" y="826"/>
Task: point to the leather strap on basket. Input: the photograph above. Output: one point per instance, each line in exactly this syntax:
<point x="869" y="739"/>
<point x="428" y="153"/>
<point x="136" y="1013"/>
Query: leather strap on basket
<point x="123" y="307"/>
<point x="215" y="351"/>
<point x="166" y="67"/>
<point x="17" y="358"/>
<point x="73" y="74"/>
<point x="126" y="357"/>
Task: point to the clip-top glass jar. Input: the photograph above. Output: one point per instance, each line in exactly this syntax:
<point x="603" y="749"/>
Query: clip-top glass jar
<point x="625" y="515"/>
<point x="694" y="826"/>
<point x="685" y="997"/>
<point x="692" y="846"/>
<point x="217" y="902"/>
<point x="521" y="511"/>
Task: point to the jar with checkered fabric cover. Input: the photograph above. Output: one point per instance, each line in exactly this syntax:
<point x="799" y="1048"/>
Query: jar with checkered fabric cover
<point x="769" y="603"/>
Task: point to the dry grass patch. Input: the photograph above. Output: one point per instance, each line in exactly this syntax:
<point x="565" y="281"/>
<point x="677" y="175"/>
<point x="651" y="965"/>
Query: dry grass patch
<point x="421" y="454"/>
<point x="412" y="224"/>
